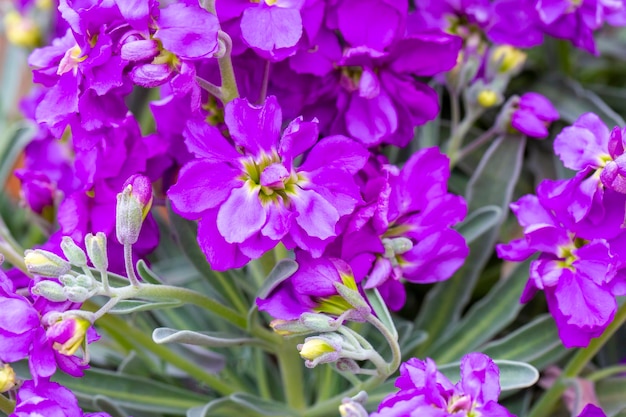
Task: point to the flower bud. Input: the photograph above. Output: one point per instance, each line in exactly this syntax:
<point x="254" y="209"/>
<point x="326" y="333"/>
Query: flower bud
<point x="21" y="31"/>
<point x="68" y="334"/>
<point x="47" y="264"/>
<point x="97" y="250"/>
<point x="133" y="205"/>
<point x="73" y="252"/>
<point x="487" y="98"/>
<point x="289" y="327"/>
<point x="318" y="322"/>
<point x="507" y="59"/>
<point x="7" y="378"/>
<point x="353" y="407"/>
<point x="50" y="290"/>
<point x="77" y="294"/>
<point x="320" y="349"/>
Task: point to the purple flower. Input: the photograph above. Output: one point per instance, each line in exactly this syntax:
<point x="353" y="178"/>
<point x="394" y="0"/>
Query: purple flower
<point x="47" y="398"/>
<point x="247" y="202"/>
<point x="591" y="410"/>
<point x="533" y="115"/>
<point x="310" y="289"/>
<point x="426" y="391"/>
<point x="576" y="270"/>
<point x="404" y="229"/>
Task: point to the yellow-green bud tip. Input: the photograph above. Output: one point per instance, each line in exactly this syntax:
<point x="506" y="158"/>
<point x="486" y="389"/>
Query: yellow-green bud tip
<point x="510" y="58"/>
<point x="7" y="378"/>
<point x="314" y="348"/>
<point x="487" y="98"/>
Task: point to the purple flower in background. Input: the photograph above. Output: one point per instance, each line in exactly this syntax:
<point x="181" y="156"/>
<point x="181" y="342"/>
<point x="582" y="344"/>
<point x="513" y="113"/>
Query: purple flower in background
<point x="249" y="195"/>
<point x="47" y="398"/>
<point x="533" y="115"/>
<point x="404" y="230"/>
<point x="591" y="410"/>
<point x="424" y="391"/>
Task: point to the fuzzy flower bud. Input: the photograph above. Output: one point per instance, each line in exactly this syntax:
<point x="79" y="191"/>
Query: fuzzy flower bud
<point x="7" y="378"/>
<point x="47" y="264"/>
<point x="353" y="407"/>
<point x="506" y="59"/>
<point x="73" y="252"/>
<point x="68" y="334"/>
<point x="320" y="349"/>
<point x="133" y="205"/>
<point x="97" y="250"/>
<point x="50" y="290"/>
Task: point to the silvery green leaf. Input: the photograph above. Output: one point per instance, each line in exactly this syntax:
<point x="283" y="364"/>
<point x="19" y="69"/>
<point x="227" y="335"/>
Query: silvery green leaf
<point x="163" y="335"/>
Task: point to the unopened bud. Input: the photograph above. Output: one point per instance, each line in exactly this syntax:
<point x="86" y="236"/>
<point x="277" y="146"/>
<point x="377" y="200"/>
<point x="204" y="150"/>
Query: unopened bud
<point x="50" y="290"/>
<point x="320" y="349"/>
<point x="68" y="334"/>
<point x="21" y="31"/>
<point x="318" y="322"/>
<point x="7" y="378"/>
<point x="97" y="250"/>
<point x="47" y="264"/>
<point x="507" y="59"/>
<point x="84" y="281"/>
<point x="77" y="294"/>
<point x="353" y="407"/>
<point x="487" y="98"/>
<point x="289" y="327"/>
<point x="73" y="252"/>
<point x="133" y="205"/>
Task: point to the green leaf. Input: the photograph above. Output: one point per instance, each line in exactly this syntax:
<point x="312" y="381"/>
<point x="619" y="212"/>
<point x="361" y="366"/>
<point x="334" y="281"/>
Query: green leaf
<point x="132" y="393"/>
<point x="105" y="404"/>
<point x="610" y="392"/>
<point x="479" y="222"/>
<point x="382" y="312"/>
<point x="572" y="99"/>
<point x="133" y="306"/>
<point x="530" y="343"/>
<point x="492" y="184"/>
<point x="147" y="274"/>
<point x="485" y="319"/>
<point x="513" y="375"/>
<point x="281" y="271"/>
<point x="163" y="335"/>
<point x="241" y="404"/>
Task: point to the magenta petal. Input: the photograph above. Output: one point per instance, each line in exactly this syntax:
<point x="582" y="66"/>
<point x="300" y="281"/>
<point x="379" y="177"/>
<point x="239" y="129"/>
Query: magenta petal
<point x="436" y="257"/>
<point x="242" y="214"/>
<point x="201" y="186"/>
<point x="297" y="138"/>
<point x="371" y="120"/>
<point x="336" y="152"/>
<point x="255" y="128"/>
<point x="425" y="54"/>
<point x="15" y="347"/>
<point x="206" y="141"/>
<point x="380" y="272"/>
<point x="584" y="143"/>
<point x="315" y="215"/>
<point x="271" y="28"/>
<point x="480" y="377"/>
<point x="187" y="31"/>
<point x="220" y="254"/>
<point x="529" y="124"/>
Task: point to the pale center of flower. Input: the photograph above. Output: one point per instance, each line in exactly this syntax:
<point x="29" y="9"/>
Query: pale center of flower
<point x="70" y="60"/>
<point x="567" y="253"/>
<point x="274" y="181"/>
<point x="460" y="403"/>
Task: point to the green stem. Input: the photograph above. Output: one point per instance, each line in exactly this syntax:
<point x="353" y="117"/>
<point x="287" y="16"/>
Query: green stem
<point x="393" y="344"/>
<point x="229" y="84"/>
<point x="140" y="339"/>
<point x="261" y="375"/>
<point x="458" y="134"/>
<point x="151" y="291"/>
<point x="14" y="258"/>
<point x="578" y="362"/>
<point x="327" y="384"/>
<point x="476" y="143"/>
<point x="231" y="292"/>
<point x="130" y="269"/>
<point x="290" y="365"/>
<point x="6" y="406"/>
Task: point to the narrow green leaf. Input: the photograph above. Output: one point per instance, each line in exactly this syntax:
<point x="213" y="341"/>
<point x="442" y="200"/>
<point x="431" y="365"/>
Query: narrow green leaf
<point x="241" y="404"/>
<point x="261" y="406"/>
<point x="479" y="222"/>
<point x="513" y="374"/>
<point x="528" y="343"/>
<point x="382" y="312"/>
<point x="485" y="319"/>
<point x="163" y="335"/>
<point x="610" y="392"/>
<point x="492" y="184"/>
<point x="281" y="271"/>
<point x="147" y="274"/>
<point x="105" y="404"/>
